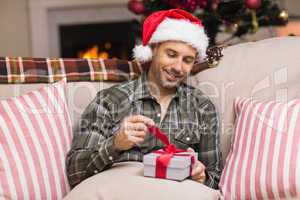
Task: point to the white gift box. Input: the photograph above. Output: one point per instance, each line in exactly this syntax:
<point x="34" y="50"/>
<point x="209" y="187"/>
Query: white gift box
<point x="178" y="169"/>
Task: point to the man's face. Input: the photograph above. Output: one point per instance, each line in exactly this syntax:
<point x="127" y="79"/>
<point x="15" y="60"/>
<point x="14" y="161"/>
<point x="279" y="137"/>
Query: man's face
<point x="172" y="62"/>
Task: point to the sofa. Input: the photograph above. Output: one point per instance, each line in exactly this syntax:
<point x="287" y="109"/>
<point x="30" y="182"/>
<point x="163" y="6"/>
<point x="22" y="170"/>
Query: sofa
<point x="263" y="70"/>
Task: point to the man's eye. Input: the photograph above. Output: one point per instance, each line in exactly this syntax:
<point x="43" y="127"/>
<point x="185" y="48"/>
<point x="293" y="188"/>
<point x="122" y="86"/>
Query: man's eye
<point x="171" y="54"/>
<point x="189" y="60"/>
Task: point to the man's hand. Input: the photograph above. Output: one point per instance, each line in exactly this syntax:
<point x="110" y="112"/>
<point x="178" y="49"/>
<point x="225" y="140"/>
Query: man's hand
<point x="132" y="131"/>
<point x="198" y="171"/>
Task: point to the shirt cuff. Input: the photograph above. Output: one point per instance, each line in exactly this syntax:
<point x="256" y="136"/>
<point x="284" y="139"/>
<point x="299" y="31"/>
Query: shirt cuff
<point x="209" y="181"/>
<point x="108" y="152"/>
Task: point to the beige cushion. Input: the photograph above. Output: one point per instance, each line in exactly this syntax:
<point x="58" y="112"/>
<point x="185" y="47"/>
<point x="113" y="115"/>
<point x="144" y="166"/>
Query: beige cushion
<point x="126" y="181"/>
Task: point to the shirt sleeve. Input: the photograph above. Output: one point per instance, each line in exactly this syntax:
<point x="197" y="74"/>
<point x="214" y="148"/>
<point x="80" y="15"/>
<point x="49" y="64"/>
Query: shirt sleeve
<point x="209" y="152"/>
<point x="92" y="148"/>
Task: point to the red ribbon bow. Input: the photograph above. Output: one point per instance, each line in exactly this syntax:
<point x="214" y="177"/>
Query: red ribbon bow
<point x="162" y="161"/>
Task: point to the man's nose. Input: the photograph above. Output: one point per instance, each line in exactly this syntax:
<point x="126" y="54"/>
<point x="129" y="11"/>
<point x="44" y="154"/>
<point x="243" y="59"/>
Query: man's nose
<point x="178" y="65"/>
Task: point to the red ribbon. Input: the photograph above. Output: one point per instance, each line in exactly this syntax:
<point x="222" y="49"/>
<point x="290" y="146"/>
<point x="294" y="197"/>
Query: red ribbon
<point x="167" y="152"/>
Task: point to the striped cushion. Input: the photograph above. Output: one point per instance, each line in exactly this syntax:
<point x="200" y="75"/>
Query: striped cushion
<point x="35" y="135"/>
<point x="264" y="161"/>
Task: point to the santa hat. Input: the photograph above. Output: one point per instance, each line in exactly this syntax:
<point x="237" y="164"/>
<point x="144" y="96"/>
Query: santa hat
<point x="174" y="24"/>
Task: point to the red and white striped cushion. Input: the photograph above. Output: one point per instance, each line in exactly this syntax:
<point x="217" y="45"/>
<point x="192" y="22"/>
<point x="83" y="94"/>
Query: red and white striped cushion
<point x="35" y="135"/>
<point x="264" y="161"/>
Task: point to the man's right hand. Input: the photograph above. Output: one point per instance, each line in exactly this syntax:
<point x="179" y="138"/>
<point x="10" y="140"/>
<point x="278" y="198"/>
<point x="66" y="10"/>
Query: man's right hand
<point x="132" y="131"/>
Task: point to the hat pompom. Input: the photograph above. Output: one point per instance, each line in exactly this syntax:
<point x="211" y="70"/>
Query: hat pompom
<point x="142" y="53"/>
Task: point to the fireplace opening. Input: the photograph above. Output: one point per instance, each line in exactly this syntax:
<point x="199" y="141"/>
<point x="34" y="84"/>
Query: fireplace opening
<point x="103" y="40"/>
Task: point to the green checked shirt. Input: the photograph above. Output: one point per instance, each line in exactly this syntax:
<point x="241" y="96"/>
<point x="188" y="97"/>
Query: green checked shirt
<point x="191" y="121"/>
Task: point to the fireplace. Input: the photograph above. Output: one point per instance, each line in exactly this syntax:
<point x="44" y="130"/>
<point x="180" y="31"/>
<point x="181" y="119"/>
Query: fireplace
<point x="53" y="23"/>
<point x="99" y="40"/>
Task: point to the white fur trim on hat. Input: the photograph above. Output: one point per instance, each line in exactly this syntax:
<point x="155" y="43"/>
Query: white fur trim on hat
<point x="142" y="53"/>
<point x="177" y="30"/>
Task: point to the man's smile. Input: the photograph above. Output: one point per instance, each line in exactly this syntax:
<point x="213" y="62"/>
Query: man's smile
<point x="171" y="76"/>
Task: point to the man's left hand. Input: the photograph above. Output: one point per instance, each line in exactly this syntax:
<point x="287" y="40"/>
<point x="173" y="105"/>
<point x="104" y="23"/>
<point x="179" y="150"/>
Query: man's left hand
<point x="198" y="170"/>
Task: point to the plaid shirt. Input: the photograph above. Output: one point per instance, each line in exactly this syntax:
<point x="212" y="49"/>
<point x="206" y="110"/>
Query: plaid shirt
<point x="191" y="121"/>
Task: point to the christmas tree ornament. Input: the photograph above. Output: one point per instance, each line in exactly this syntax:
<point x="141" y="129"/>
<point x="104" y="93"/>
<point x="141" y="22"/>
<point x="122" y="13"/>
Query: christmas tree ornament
<point x="284" y="16"/>
<point x="201" y="3"/>
<point x="231" y="27"/>
<point x="190" y="5"/>
<point x="254" y="22"/>
<point x="253" y="4"/>
<point x="215" y="4"/>
<point x="136" y="6"/>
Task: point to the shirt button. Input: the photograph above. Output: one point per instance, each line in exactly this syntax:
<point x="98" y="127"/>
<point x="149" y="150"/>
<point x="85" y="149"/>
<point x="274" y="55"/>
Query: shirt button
<point x="110" y="158"/>
<point x="188" y="138"/>
<point x="95" y="171"/>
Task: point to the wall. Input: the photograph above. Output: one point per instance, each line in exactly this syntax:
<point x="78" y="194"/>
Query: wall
<point x="293" y="6"/>
<point x="14" y="23"/>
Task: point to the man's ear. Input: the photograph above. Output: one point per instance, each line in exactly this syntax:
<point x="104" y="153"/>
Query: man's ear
<point x="154" y="48"/>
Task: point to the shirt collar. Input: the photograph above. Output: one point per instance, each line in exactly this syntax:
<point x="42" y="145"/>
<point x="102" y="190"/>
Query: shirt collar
<point x="142" y="90"/>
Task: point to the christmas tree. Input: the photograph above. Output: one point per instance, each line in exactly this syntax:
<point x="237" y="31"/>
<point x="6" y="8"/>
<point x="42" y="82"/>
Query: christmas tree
<point x="239" y="17"/>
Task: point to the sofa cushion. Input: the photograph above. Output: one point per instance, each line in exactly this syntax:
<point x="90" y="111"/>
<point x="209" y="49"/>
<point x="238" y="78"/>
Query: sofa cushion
<point x="125" y="181"/>
<point x="35" y="135"/>
<point x="264" y="70"/>
<point x="264" y="161"/>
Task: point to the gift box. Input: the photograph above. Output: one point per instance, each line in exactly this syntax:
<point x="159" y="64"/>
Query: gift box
<point x="178" y="168"/>
<point x="168" y="162"/>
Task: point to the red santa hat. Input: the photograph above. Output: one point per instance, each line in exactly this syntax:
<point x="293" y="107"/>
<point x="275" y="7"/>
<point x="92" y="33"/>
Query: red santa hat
<point x="167" y="25"/>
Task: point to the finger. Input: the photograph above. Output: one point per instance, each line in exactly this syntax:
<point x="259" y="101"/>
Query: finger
<point x="200" y="164"/>
<point x="194" y="170"/>
<point x="198" y="176"/>
<point x="136" y="140"/>
<point x="203" y="173"/>
<point x="136" y="126"/>
<point x="200" y="179"/>
<point x="190" y="149"/>
<point x="141" y="118"/>
<point x="141" y="134"/>
<point x="197" y="169"/>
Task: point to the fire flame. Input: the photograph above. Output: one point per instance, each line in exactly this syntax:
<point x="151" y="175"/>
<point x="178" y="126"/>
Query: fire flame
<point x="93" y="53"/>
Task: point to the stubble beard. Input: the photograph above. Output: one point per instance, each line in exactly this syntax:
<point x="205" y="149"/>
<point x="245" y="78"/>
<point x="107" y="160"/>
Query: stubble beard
<point x="164" y="82"/>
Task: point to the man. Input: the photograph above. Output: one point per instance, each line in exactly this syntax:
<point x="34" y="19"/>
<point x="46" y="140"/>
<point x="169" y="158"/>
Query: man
<point x="114" y="125"/>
